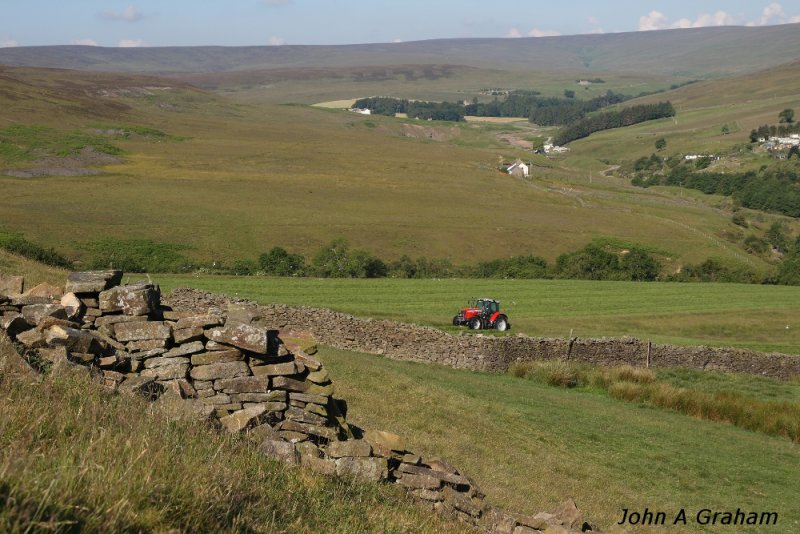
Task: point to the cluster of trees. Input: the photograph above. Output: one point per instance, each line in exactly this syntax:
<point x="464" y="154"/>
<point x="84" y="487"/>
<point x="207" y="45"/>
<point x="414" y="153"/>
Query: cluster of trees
<point x="786" y="126"/>
<point x="15" y="243"/>
<point x="597" y="261"/>
<point x="439" y="111"/>
<point x="774" y="189"/>
<point x="546" y="111"/>
<point x="613" y="119"/>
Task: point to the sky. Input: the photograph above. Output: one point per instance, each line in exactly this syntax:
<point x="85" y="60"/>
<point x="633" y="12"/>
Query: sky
<point x="134" y="23"/>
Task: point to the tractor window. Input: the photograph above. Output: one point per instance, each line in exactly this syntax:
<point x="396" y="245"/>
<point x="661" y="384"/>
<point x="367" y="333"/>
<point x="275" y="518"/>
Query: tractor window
<point x="493" y="307"/>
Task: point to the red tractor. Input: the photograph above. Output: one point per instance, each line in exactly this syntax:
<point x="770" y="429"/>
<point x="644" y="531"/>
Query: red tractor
<point x="482" y="313"/>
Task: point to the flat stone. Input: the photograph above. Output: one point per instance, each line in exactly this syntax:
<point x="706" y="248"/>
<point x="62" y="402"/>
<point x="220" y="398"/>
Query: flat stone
<point x="462" y="502"/>
<point x="32" y="339"/>
<point x="143" y="355"/>
<point x="238" y="421"/>
<point x="258" y="397"/>
<point x="313" y="430"/>
<point x="319" y="465"/>
<point x="316" y="389"/>
<point x="217" y="356"/>
<point x="184" y="335"/>
<point x="293" y="437"/>
<point x="434" y="496"/>
<point x="424" y="471"/>
<point x="419" y="481"/>
<point x="219" y="398"/>
<point x="92" y="312"/>
<point x="161" y="361"/>
<point x="11" y="285"/>
<point x="92" y="281"/>
<point x="384" y="443"/>
<point x="34" y="313"/>
<point x="298" y="414"/>
<point x="569" y="514"/>
<point x="185" y="349"/>
<point x="142" y="330"/>
<point x="45" y="290"/>
<point x="289" y="384"/>
<point x="14" y="323"/>
<point x="199" y="321"/>
<point x="280" y="450"/>
<point x="281" y="369"/>
<point x="217" y="371"/>
<point x="319" y="377"/>
<point x="213" y="345"/>
<point x="72" y="305"/>
<point x="25" y="300"/>
<point x="315" y="409"/>
<point x="110" y="320"/>
<point x="74" y="340"/>
<point x="372" y="469"/>
<point x="167" y="372"/>
<point x="304" y="397"/>
<point x="243" y="384"/>
<point x="146" y="345"/>
<point x="243" y="336"/>
<point x="243" y="314"/>
<point x="131" y="299"/>
<point x="353" y="447"/>
<point x="203" y="384"/>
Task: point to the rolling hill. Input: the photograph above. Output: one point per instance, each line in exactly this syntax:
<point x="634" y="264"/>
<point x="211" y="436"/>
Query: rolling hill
<point x="692" y="53"/>
<point x="228" y="173"/>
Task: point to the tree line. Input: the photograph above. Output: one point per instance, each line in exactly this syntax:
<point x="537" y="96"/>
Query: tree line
<point x="613" y="119"/>
<point x="774" y="189"/>
<point x="545" y="111"/>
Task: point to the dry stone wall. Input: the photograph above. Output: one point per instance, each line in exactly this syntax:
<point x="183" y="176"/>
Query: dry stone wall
<point x="496" y="354"/>
<point x="226" y="362"/>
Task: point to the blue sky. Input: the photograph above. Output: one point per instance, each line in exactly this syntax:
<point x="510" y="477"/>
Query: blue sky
<point x="276" y="22"/>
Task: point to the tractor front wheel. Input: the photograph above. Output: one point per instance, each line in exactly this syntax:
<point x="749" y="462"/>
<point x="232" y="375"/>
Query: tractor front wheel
<point x="475" y="323"/>
<point x="456" y="322"/>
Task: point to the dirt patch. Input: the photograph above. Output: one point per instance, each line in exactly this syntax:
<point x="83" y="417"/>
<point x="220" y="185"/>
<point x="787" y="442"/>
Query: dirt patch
<point x="418" y="131"/>
<point x="515" y="140"/>
<point x="76" y="165"/>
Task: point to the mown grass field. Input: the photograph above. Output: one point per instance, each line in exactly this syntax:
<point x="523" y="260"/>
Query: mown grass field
<point x="754" y="316"/>
<point x="530" y="446"/>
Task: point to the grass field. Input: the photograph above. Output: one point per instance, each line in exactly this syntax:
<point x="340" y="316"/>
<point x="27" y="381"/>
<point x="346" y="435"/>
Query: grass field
<point x="529" y="446"/>
<point x="235" y="176"/>
<point x="754" y="316"/>
<point x="112" y="463"/>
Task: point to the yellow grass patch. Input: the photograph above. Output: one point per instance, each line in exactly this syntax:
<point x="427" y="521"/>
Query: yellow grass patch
<point x="336" y="104"/>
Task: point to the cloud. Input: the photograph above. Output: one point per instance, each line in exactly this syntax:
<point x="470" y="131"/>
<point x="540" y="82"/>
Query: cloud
<point x="131" y="43"/>
<point x="536" y="32"/>
<point x="397" y="41"/>
<point x="655" y="20"/>
<point x="277" y="3"/>
<point x="8" y="43"/>
<point x="795" y="19"/>
<point x="84" y="42"/>
<point x="514" y="33"/>
<point x="129" y="14"/>
<point x="277" y="41"/>
<point x="773" y="12"/>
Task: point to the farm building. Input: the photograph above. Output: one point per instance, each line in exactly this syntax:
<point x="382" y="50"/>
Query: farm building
<point x="518" y="169"/>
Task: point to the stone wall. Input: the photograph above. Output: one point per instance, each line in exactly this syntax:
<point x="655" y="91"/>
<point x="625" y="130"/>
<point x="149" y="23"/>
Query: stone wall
<point x="226" y="363"/>
<point x="495" y="354"/>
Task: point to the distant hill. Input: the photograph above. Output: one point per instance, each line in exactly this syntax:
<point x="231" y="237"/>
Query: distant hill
<point x="688" y="53"/>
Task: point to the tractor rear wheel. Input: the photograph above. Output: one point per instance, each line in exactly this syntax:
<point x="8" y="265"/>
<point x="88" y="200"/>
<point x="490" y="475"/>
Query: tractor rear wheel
<point x="475" y="323"/>
<point x="501" y="324"/>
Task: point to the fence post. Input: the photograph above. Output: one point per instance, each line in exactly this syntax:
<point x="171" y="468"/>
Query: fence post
<point x="649" y="349"/>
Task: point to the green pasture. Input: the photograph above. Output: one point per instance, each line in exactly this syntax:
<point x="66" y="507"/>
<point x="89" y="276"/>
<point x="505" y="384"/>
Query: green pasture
<point x="530" y="446"/>
<point x="754" y="316"/>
